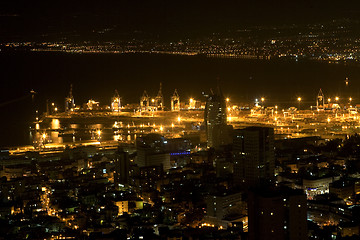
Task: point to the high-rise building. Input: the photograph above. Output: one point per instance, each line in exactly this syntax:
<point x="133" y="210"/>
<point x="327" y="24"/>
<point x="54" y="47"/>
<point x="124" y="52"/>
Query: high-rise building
<point x="320" y="100"/>
<point x="159" y="99"/>
<point x="215" y="114"/>
<point x="254" y="156"/>
<point x="222" y="135"/>
<point x="122" y="167"/>
<point x="69" y="101"/>
<point x="144" y="101"/>
<point x="115" y="102"/>
<point x="175" y="101"/>
<point x="147" y="158"/>
<point x="277" y="214"/>
<point x="151" y="151"/>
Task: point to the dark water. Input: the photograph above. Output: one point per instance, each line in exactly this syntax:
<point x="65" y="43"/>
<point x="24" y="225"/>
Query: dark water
<point x="96" y="76"/>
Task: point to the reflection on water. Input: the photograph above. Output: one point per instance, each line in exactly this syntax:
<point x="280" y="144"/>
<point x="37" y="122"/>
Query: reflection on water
<point x="61" y="131"/>
<point x="117" y="138"/>
<point x="124" y="137"/>
<point x="74" y="126"/>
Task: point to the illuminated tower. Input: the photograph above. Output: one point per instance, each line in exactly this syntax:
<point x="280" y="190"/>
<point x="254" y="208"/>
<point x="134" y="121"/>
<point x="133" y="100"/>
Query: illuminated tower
<point x="115" y="102"/>
<point x="320" y="100"/>
<point x="69" y="101"/>
<point x="144" y="101"/>
<point x="175" y="101"/>
<point x="215" y="115"/>
<point x="159" y="100"/>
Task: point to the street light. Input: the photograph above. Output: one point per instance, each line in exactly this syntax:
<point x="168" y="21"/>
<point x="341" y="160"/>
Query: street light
<point x="336" y="98"/>
<point x="43" y="136"/>
<point x="262" y="102"/>
<point x="191" y="103"/>
<point x="99" y="134"/>
<point x="299" y="100"/>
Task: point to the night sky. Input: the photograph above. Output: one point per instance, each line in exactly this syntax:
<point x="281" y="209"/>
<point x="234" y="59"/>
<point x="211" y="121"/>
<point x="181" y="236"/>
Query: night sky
<point x="161" y="17"/>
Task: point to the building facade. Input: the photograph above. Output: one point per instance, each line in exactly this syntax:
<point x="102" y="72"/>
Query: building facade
<point x="215" y="115"/>
<point x="254" y="161"/>
<point x="277" y="214"/>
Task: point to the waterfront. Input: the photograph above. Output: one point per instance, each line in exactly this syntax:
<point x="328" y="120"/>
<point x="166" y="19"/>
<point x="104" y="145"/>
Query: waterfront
<point x="96" y="76"/>
<point x="109" y="129"/>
